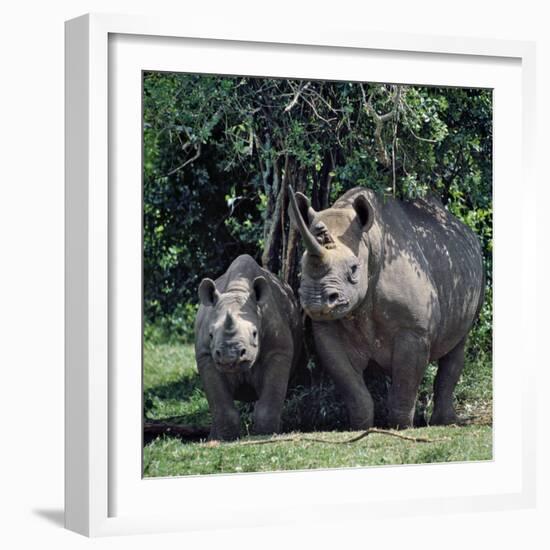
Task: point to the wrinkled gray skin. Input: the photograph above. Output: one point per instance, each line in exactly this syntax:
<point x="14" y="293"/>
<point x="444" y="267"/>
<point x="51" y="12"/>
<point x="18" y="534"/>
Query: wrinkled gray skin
<point x="391" y="282"/>
<point x="248" y="341"/>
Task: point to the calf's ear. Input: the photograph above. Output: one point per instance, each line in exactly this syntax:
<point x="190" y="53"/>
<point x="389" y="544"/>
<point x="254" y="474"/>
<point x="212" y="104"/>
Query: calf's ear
<point x="364" y="211"/>
<point x="261" y="289"/>
<point x="208" y="293"/>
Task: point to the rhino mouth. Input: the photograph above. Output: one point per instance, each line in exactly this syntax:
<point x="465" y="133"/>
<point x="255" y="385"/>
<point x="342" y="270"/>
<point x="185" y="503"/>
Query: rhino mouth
<point x="329" y="314"/>
<point x="236" y="367"/>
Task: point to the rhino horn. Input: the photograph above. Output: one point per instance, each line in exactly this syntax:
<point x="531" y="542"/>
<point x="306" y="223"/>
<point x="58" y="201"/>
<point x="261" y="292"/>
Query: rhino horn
<point x="229" y="323"/>
<point x="310" y="242"/>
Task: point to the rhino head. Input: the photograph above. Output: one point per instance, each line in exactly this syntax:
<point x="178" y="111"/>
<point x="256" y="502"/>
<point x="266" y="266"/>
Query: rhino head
<point x="235" y="323"/>
<point x="334" y="278"/>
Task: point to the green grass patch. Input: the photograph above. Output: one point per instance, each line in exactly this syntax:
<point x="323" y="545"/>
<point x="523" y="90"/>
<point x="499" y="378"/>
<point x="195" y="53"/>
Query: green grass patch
<point x="171" y="384"/>
<point x="172" y="388"/>
<point x="170" y="457"/>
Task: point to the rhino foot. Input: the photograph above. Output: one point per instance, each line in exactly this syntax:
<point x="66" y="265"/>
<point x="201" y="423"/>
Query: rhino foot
<point x="401" y="421"/>
<point x="267" y="419"/>
<point x="444" y="418"/>
<point x="226" y="426"/>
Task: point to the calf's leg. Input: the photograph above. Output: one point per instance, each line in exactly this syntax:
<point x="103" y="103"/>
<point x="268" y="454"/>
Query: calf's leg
<point x="225" y="416"/>
<point x="272" y="391"/>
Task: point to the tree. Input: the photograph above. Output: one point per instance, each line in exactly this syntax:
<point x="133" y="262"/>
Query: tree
<point x="219" y="154"/>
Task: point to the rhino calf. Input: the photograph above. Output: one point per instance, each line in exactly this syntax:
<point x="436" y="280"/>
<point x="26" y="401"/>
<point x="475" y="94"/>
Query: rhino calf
<point x="391" y="282"/>
<point x="248" y="341"/>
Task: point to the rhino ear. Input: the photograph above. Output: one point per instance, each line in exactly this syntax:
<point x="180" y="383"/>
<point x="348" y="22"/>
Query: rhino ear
<point x="304" y="207"/>
<point x="364" y="211"/>
<point x="208" y="293"/>
<point x="261" y="289"/>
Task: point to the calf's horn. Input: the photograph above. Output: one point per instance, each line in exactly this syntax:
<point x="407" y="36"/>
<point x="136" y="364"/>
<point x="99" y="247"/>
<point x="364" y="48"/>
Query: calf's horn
<point x="229" y="323"/>
<point x="310" y="242"/>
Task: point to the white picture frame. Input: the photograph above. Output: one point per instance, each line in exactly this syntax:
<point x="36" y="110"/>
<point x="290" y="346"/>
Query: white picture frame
<point x="105" y="493"/>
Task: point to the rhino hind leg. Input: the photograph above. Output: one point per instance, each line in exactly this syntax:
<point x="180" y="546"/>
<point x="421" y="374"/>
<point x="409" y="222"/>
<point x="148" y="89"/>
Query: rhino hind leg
<point x="448" y="373"/>
<point x="409" y="362"/>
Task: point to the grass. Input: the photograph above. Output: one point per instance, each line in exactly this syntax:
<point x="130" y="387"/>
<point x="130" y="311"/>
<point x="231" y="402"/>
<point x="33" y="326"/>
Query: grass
<point x="169" y="457"/>
<point x="172" y="388"/>
<point x="171" y="384"/>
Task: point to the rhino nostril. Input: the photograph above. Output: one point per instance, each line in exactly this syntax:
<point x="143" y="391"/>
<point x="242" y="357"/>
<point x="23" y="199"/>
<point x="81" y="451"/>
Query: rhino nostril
<point x="333" y="297"/>
<point x="243" y="352"/>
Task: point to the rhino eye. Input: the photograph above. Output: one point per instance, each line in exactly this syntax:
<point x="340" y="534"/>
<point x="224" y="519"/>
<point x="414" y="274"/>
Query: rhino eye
<point x="211" y="335"/>
<point x="254" y="334"/>
<point x="353" y="273"/>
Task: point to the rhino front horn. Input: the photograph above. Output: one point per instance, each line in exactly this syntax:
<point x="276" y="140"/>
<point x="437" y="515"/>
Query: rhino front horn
<point x="310" y="242"/>
<point x="229" y="323"/>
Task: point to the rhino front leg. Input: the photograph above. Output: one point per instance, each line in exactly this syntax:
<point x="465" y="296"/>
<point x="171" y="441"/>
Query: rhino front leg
<point x="225" y="416"/>
<point x="348" y="379"/>
<point x="409" y="361"/>
<point x="273" y="386"/>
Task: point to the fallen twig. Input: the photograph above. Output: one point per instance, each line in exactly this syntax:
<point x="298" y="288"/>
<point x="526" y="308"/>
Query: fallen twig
<point x="153" y="429"/>
<point x="354" y="439"/>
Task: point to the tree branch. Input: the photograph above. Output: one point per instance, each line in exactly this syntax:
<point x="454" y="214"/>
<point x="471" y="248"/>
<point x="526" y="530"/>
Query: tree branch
<point x="378" y="126"/>
<point x="296" y="97"/>
<point x="421" y="138"/>
<point x="188" y="161"/>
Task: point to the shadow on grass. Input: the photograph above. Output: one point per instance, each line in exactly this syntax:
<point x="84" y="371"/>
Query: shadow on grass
<point x="177" y="389"/>
<point x="311" y="408"/>
<point x="172" y="390"/>
<point x="315" y="406"/>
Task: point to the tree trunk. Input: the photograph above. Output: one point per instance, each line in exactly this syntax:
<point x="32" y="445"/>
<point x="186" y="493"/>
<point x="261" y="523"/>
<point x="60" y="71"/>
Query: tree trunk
<point x="326" y="180"/>
<point x="271" y="185"/>
<point x="315" y="199"/>
<point x="271" y="258"/>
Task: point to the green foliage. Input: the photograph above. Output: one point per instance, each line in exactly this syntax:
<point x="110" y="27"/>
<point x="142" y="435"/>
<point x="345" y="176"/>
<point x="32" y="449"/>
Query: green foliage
<point x="216" y="151"/>
<point x="177" y="327"/>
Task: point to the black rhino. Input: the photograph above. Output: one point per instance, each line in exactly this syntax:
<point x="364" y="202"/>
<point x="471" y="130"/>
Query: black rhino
<point x="248" y="342"/>
<point x="392" y="282"/>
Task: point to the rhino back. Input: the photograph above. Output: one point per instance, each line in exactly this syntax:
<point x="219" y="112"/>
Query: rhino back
<point x="429" y="268"/>
<point x="453" y="254"/>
